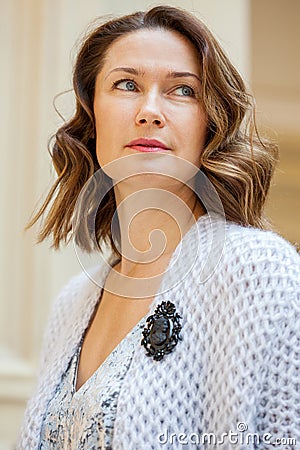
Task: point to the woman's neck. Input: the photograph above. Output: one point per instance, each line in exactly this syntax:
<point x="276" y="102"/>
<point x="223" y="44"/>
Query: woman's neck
<point x="152" y="223"/>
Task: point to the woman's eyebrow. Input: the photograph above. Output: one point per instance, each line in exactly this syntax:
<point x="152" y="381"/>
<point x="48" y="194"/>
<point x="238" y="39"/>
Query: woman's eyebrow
<point x="130" y="70"/>
<point x="171" y="73"/>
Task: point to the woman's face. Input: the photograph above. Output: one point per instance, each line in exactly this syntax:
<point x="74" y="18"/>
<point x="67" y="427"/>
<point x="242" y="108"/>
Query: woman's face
<point x="149" y="89"/>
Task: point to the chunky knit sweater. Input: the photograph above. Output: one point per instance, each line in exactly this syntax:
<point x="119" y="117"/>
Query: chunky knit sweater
<point x="233" y="381"/>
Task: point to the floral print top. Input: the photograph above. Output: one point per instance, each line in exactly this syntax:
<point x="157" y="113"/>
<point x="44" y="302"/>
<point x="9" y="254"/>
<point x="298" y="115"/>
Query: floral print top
<point x="84" y="419"/>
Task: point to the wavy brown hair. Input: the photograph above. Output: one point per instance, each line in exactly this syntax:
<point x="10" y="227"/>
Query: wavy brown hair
<point x="235" y="159"/>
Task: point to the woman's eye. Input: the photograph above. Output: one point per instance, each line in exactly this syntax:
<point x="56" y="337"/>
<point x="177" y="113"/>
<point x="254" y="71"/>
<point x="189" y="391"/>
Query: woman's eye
<point x="125" y="85"/>
<point x="186" y="91"/>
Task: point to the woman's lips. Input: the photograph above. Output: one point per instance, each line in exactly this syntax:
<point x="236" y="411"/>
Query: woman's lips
<point x="147" y="145"/>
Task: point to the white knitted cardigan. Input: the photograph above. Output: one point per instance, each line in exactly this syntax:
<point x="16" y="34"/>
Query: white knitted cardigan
<point x="236" y="369"/>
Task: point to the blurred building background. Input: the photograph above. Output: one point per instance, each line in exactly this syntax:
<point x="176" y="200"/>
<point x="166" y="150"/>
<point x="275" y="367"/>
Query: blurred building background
<point x="38" y="44"/>
<point x="275" y="80"/>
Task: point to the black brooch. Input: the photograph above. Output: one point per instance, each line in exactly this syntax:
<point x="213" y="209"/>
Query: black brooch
<point x="161" y="334"/>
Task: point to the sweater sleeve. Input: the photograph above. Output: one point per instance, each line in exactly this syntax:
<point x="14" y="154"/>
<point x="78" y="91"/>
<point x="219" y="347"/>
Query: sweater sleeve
<point x="58" y="313"/>
<point x="279" y="407"/>
<point x="252" y="341"/>
<point x="54" y="340"/>
<point x="275" y="269"/>
<point x="29" y="432"/>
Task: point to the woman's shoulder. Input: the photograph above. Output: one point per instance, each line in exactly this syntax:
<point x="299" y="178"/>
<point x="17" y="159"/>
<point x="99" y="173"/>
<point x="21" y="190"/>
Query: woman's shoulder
<point x="85" y="284"/>
<point x="262" y="267"/>
<point x="85" y="280"/>
<point x="79" y="286"/>
<point x="75" y="301"/>
<point x="256" y="244"/>
<point x="260" y="272"/>
<point x="241" y="252"/>
<point x="258" y="263"/>
<point x="70" y="313"/>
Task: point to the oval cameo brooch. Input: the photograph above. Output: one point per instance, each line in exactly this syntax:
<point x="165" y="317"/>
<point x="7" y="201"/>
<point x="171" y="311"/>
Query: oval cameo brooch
<point x="162" y="331"/>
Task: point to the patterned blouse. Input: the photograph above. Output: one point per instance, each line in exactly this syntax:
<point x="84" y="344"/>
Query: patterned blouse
<point x="84" y="419"/>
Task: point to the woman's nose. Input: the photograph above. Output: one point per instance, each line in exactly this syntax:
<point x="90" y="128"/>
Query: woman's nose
<point x="150" y="112"/>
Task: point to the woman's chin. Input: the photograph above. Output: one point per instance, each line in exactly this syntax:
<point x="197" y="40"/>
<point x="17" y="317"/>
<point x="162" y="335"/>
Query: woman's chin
<point x="150" y="169"/>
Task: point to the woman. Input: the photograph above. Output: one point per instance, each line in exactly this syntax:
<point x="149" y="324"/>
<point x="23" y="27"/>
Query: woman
<point x="189" y="335"/>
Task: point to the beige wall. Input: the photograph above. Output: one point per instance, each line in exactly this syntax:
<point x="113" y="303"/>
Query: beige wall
<point x="37" y="46"/>
<point x="275" y="74"/>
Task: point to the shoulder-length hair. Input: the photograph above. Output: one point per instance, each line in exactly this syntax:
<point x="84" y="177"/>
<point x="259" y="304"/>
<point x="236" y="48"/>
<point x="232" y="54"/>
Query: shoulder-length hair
<point x="235" y="159"/>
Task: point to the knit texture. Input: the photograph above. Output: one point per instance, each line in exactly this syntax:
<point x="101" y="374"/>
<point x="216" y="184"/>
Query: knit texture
<point x="238" y="361"/>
